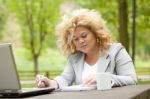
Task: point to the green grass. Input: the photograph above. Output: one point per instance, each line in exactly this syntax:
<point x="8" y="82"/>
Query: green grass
<point x="142" y="66"/>
<point x="33" y="85"/>
<point x="143" y="71"/>
<point x="143" y="81"/>
<point x="141" y="62"/>
<point x="50" y="60"/>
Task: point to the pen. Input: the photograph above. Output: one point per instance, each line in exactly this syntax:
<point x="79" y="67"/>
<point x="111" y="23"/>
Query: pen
<point x="39" y="83"/>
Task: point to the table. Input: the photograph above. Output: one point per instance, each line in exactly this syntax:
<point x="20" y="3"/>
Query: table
<point x="125" y="92"/>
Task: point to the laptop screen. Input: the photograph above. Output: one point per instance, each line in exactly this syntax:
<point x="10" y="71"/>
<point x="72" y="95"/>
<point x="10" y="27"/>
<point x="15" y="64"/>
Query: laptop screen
<point x="8" y="73"/>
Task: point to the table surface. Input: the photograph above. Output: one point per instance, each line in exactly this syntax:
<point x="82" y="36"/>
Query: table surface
<point x="125" y="92"/>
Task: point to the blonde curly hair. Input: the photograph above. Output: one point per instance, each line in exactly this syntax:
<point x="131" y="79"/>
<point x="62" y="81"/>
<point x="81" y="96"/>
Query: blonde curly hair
<point x="90" y="19"/>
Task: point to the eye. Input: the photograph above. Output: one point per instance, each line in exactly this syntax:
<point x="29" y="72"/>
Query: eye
<point x="84" y="35"/>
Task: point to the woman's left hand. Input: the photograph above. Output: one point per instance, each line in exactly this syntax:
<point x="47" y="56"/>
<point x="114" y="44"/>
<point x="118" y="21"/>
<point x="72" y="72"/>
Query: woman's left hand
<point x="90" y="81"/>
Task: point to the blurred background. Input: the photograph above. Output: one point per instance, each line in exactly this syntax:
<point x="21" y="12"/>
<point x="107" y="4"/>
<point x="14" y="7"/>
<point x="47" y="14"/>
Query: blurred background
<point x="30" y="26"/>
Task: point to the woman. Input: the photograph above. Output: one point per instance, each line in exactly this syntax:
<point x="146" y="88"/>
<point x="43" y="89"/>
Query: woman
<point x="85" y="40"/>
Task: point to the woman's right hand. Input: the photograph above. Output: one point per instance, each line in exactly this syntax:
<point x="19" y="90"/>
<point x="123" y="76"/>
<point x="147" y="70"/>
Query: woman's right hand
<point x="42" y="81"/>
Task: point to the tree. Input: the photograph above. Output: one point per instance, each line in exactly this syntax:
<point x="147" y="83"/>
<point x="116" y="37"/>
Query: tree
<point x="38" y="19"/>
<point x="123" y="23"/>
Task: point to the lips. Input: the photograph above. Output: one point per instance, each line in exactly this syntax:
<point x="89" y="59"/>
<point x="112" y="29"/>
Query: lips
<point x="83" y="46"/>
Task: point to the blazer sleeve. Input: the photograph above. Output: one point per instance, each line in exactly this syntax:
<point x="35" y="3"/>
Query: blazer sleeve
<point x="67" y="77"/>
<point x="124" y="68"/>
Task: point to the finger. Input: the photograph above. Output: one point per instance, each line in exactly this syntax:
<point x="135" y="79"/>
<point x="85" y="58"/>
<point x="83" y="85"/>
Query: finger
<point x="45" y="80"/>
<point x="91" y="82"/>
<point x="42" y="81"/>
<point x="38" y="77"/>
<point x="39" y="80"/>
<point x="40" y="85"/>
<point x="86" y="82"/>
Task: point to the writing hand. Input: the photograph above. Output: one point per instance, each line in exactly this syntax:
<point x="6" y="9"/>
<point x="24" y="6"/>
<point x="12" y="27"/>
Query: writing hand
<point x="42" y="81"/>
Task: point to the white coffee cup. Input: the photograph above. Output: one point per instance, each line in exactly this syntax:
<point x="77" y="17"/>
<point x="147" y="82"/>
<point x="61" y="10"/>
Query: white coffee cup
<point x="104" y="81"/>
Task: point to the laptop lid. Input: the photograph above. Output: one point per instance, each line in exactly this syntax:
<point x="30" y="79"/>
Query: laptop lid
<point x="9" y="79"/>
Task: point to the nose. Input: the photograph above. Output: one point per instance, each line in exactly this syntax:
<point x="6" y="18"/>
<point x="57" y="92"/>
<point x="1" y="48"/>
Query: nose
<point x="81" y="40"/>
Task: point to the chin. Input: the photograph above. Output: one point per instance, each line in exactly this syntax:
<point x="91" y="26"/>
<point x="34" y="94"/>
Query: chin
<point x="84" y="51"/>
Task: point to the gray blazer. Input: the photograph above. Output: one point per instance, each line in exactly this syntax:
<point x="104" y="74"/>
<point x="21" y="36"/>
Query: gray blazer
<point x="116" y="61"/>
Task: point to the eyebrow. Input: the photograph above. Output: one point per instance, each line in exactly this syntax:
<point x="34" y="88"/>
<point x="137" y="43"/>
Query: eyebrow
<point x="80" y="34"/>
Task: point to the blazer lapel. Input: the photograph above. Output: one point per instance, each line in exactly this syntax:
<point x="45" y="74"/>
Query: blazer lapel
<point x="79" y="65"/>
<point x="103" y="63"/>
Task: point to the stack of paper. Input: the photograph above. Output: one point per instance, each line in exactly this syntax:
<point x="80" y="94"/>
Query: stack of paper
<point x="78" y="88"/>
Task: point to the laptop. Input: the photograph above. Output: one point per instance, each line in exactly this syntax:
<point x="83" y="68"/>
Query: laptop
<point x="9" y="80"/>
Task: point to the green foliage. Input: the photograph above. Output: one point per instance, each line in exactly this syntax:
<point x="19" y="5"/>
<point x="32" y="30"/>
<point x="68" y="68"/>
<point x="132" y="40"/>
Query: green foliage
<point x="142" y="25"/>
<point x="37" y="19"/>
<point x="3" y="17"/>
<point x="41" y="12"/>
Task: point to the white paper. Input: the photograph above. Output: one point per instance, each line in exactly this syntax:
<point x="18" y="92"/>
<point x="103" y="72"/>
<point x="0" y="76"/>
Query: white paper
<point x="78" y="88"/>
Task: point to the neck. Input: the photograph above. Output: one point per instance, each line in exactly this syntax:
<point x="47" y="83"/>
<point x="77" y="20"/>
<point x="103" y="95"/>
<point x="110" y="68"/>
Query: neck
<point x="92" y="57"/>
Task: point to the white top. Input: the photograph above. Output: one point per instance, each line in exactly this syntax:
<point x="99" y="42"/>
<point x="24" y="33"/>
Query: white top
<point x="88" y="71"/>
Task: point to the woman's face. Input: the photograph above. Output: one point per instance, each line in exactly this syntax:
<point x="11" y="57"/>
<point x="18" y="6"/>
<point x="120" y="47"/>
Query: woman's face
<point x="84" y="40"/>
